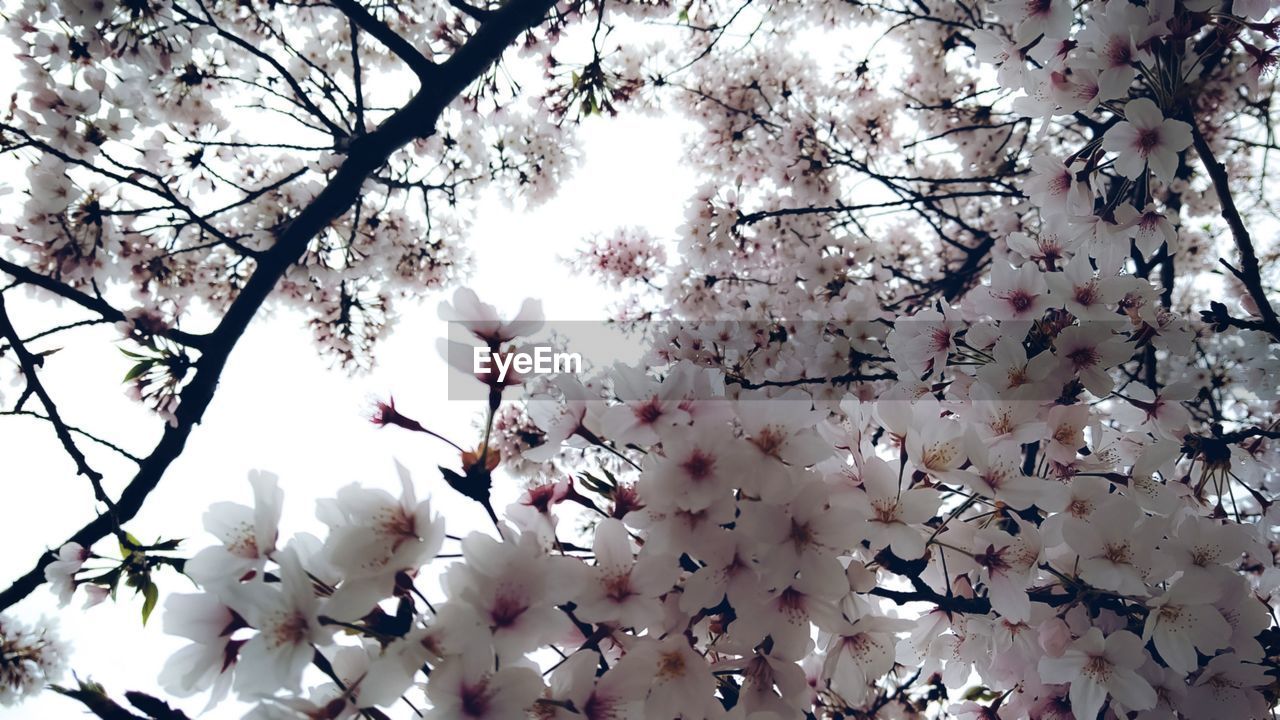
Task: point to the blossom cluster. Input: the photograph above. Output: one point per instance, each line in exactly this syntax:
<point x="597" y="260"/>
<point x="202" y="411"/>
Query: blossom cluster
<point x="30" y="658"/>
<point x="164" y="145"/>
<point x="758" y="553"/>
<point x="970" y="445"/>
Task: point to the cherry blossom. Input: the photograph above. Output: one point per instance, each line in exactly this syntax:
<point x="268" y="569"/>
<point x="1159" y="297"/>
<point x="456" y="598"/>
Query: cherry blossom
<point x="647" y="408"/>
<point x="1086" y="352"/>
<point x="372" y="537"/>
<point x="248" y="535"/>
<point x="698" y="470"/>
<point x="625" y="588"/>
<point x="1009" y="564"/>
<point x="1182" y="621"/>
<point x="31" y="656"/>
<point x="858" y="654"/>
<point x="891" y="513"/>
<point x="206" y="663"/>
<point x="1083" y="294"/>
<point x="1114" y="546"/>
<point x="482" y="320"/>
<point x="1146" y="138"/>
<point x="61" y="572"/>
<point x="681" y="681"/>
<point x="576" y="691"/>
<point x="946" y="405"/>
<point x="288" y="625"/>
<point x="1227" y="685"/>
<point x="1015" y="293"/>
<point x="469" y="689"/>
<point x="1098" y="667"/>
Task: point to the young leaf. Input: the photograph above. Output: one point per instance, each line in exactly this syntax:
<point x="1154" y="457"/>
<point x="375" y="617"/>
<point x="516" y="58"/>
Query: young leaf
<point x="137" y="370"/>
<point x="151" y="594"/>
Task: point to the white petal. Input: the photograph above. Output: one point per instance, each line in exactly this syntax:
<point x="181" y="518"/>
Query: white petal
<point x="1131" y="690"/>
<point x="1087" y="697"/>
<point x="1143" y="113"/>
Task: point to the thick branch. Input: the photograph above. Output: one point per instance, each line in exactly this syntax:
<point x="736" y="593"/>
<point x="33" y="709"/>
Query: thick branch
<point x="365" y="156"/>
<point x="402" y="48"/>
<point x="965" y="605"/>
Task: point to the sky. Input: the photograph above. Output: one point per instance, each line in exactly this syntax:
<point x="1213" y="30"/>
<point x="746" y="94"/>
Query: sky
<point x="281" y="408"/>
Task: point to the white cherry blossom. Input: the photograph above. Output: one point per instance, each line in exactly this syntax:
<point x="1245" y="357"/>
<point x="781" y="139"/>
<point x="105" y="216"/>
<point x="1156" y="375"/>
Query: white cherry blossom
<point x="1146" y="138"/>
<point x="1098" y="667"/>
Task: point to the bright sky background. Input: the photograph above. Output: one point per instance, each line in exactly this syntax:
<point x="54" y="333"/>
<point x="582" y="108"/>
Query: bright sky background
<point x="280" y="408"/>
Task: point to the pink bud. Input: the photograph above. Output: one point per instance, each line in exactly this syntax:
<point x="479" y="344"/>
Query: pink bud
<point x="385" y="413"/>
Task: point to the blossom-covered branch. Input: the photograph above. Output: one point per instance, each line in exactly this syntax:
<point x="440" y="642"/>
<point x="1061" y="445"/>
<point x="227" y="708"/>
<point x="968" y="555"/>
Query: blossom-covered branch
<point x="947" y="407"/>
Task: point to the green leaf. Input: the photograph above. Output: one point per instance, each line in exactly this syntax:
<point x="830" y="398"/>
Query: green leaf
<point x="980" y="693"/>
<point x="151" y="595"/>
<point x="128" y="550"/>
<point x="137" y="370"/>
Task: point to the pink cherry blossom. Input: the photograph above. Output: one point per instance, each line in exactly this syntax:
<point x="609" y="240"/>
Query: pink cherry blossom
<point x="1146" y="138"/>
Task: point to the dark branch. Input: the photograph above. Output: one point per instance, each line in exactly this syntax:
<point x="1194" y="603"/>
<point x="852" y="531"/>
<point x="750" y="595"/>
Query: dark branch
<point x="471" y="10"/>
<point x="755" y="217"/>
<point x="403" y="49"/>
<point x="78" y="431"/>
<point x="833" y="380"/>
<point x="87" y="301"/>
<point x="366" y="155"/>
<point x="29" y="364"/>
<point x="1250" y="273"/>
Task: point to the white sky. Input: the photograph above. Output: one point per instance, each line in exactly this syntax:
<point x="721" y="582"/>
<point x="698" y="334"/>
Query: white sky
<point x="280" y="408"/>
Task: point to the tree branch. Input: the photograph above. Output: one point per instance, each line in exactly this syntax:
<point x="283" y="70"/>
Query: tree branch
<point x="300" y="95"/>
<point x="1250" y="273"/>
<point x="470" y="10"/>
<point x="29" y="363"/>
<point x="87" y="301"/>
<point x="755" y="217"/>
<point x="82" y="433"/>
<point x="833" y="380"/>
<point x="403" y="49"/>
<point x="365" y="156"/>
